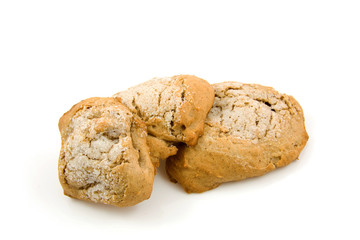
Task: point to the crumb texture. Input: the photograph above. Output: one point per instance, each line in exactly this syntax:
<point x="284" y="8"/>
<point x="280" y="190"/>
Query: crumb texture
<point x="98" y="149"/>
<point x="250" y="130"/>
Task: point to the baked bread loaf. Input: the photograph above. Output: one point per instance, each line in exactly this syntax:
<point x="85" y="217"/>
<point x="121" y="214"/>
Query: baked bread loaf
<point x="249" y="131"/>
<point x="104" y="154"/>
<point x="173" y="108"/>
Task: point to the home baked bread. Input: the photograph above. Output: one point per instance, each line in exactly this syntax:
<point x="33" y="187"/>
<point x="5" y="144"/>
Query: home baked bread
<point x="104" y="155"/>
<point x="250" y="130"/>
<point x="173" y="108"/>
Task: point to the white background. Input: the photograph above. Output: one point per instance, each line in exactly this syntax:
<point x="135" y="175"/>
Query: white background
<point x="56" y="53"/>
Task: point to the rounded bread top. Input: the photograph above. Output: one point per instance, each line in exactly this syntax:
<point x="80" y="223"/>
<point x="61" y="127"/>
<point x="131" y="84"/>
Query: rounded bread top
<point x="173" y="108"/>
<point x="252" y="112"/>
<point x="95" y="115"/>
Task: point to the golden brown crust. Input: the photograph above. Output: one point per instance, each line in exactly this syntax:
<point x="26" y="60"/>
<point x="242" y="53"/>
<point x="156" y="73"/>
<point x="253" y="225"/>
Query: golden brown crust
<point x="199" y="97"/>
<point x="104" y="155"/>
<point x="249" y="131"/>
<point x="65" y="120"/>
<point x="160" y="149"/>
<point x="174" y="109"/>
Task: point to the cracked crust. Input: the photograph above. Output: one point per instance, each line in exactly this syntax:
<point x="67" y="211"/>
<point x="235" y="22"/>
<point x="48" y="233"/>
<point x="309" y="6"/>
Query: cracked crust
<point x="104" y="156"/>
<point x="173" y="108"/>
<point x="250" y="130"/>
